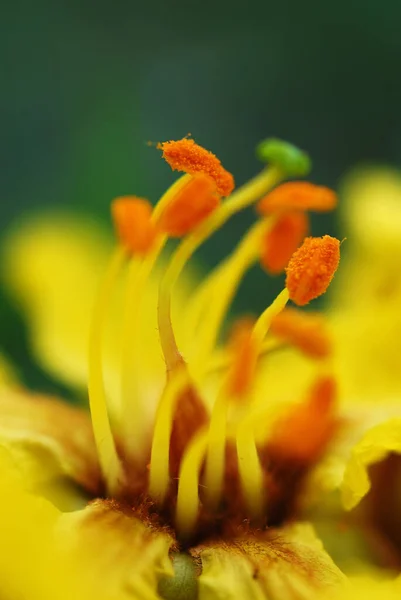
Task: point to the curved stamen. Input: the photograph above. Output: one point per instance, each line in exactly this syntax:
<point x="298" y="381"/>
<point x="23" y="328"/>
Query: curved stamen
<point x="108" y="457"/>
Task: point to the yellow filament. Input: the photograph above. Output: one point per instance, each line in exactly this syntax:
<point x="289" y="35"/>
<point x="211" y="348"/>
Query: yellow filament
<point x="108" y="457"/>
<point x="225" y="287"/>
<point x="188" y="494"/>
<point x="215" y="454"/>
<point x="159" y="476"/>
<point x="239" y="200"/>
<point x="250" y="469"/>
<point x="263" y="323"/>
<point x="249" y="466"/>
<point x="138" y="274"/>
<point x="222" y="359"/>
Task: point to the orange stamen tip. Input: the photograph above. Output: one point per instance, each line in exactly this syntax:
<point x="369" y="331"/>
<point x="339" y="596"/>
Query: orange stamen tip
<point x="305" y="331"/>
<point x="312" y="268"/>
<point x="303" y="434"/>
<point x="242" y="370"/>
<point x="190" y="206"/>
<point x="185" y="155"/>
<point x="298" y="195"/>
<point x="132" y="221"/>
<point x="281" y="241"/>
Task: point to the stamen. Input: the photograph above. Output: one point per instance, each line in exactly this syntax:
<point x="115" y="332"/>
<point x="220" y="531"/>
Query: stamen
<point x="159" y="476"/>
<point x="138" y="274"/>
<point x="188" y="485"/>
<point x="282" y="240"/>
<point x="191" y="205"/>
<point x="298" y="195"/>
<point x="132" y="220"/>
<point x="306" y="331"/>
<point x="225" y="286"/>
<point x="185" y="155"/>
<point x="312" y="268"/>
<point x="250" y="469"/>
<point x="238" y="201"/>
<point x="108" y="457"/>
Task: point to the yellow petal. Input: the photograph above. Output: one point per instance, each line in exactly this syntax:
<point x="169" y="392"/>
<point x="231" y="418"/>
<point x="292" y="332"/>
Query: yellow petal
<point x="52" y="265"/>
<point x="374" y="446"/>
<point x="368" y="588"/>
<point x="30" y="565"/>
<point x="283" y="564"/>
<point x="120" y="555"/>
<point x="48" y="439"/>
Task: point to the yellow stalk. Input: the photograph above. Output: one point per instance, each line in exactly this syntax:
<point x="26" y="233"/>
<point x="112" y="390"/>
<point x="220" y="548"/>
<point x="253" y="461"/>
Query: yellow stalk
<point x="108" y="457"/>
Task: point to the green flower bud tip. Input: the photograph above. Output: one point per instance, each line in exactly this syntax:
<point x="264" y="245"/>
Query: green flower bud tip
<point x="286" y="156"/>
<point x="183" y="585"/>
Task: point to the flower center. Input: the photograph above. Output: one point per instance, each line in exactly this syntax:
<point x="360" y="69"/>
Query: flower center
<point x="195" y="453"/>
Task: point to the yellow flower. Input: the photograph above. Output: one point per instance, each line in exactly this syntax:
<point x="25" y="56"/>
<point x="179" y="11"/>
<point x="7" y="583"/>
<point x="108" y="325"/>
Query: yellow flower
<point x="195" y="477"/>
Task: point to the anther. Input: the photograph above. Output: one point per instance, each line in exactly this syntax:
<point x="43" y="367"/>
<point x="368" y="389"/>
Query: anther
<point x="303" y="433"/>
<point x="298" y="195"/>
<point x="304" y="330"/>
<point x="192" y="203"/>
<point x="312" y="268"/>
<point x="133" y="224"/>
<point x="185" y="155"/>
<point x="281" y="241"/>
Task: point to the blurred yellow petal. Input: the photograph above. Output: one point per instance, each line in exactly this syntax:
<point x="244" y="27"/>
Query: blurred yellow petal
<point x="30" y="565"/>
<point x="374" y="446"/>
<point x="48" y="439"/>
<point x="368" y="588"/>
<point x="121" y="556"/>
<point x="282" y="564"/>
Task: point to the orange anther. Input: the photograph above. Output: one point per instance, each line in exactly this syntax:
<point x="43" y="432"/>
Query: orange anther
<point x="312" y="268"/>
<point x="298" y="195"/>
<point x="306" y="331"/>
<point x="185" y="155"/>
<point x="192" y="203"/>
<point x="304" y="432"/>
<point x="281" y="241"/>
<point x="242" y="369"/>
<point x="132" y="221"/>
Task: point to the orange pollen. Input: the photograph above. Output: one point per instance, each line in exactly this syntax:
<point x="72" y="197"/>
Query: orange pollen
<point x="191" y="205"/>
<point x="242" y="370"/>
<point x="298" y="195"/>
<point x="281" y="241"/>
<point x="132" y="221"/>
<point x="304" y="432"/>
<point x="312" y="268"/>
<point x="185" y="155"/>
<point x="305" y="331"/>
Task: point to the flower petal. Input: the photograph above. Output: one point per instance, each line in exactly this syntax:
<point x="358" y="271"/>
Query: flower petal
<point x="108" y="539"/>
<point x="374" y="446"/>
<point x="283" y="564"/>
<point x="30" y="566"/>
<point x="48" y="439"/>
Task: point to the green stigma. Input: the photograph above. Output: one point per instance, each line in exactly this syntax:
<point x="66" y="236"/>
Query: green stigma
<point x="289" y="158"/>
<point x="183" y="585"/>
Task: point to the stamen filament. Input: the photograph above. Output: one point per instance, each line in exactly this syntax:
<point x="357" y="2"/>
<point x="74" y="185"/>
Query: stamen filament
<point x="222" y="359"/>
<point x="215" y="453"/>
<point x="239" y="200"/>
<point x="188" y="485"/>
<point x="250" y="469"/>
<point x="159" y="476"/>
<point x="263" y="323"/>
<point x="225" y="287"/>
<point x="108" y="457"/>
<point x="138" y="275"/>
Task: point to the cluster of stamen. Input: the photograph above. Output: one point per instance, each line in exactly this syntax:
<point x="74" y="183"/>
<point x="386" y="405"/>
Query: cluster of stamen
<point x="187" y="458"/>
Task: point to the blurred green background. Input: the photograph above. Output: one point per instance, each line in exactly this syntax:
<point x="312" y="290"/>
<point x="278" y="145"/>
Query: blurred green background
<point x="87" y="84"/>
